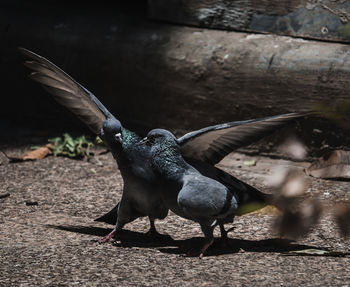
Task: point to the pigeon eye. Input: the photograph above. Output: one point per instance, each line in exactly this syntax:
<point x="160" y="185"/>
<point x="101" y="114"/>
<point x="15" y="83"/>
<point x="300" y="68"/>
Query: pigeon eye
<point x="118" y="137"/>
<point x="149" y="140"/>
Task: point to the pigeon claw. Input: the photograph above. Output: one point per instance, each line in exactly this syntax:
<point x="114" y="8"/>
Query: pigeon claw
<point x="194" y="253"/>
<point x="108" y="238"/>
<point x="200" y="253"/>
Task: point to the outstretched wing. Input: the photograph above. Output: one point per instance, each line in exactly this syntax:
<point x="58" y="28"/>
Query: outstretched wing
<point x="212" y="144"/>
<point x="67" y="91"/>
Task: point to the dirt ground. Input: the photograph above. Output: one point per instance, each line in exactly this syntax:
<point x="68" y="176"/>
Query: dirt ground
<point x="47" y="233"/>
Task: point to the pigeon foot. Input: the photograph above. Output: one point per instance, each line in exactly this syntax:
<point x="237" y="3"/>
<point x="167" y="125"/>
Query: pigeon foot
<point x="108" y="238"/>
<point x="224" y="240"/>
<point x="200" y="253"/>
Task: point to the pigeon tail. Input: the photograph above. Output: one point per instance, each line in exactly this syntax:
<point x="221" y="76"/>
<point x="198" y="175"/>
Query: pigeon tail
<point x="110" y="217"/>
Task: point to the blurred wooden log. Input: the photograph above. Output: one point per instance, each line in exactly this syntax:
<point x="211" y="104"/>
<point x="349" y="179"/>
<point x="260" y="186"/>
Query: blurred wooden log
<point x="326" y="19"/>
<point x="212" y="76"/>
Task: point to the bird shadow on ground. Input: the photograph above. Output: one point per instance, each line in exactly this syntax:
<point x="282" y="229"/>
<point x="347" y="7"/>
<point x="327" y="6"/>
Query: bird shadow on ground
<point x="231" y="246"/>
<point x="125" y="238"/>
<point x="166" y="244"/>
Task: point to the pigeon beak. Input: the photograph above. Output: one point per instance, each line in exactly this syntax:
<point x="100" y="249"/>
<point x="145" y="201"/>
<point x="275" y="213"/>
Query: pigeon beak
<point x="118" y="137"/>
<point x="144" y="140"/>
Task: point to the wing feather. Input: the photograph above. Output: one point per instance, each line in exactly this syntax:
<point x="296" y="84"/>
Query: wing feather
<point x="212" y="144"/>
<point x="67" y="91"/>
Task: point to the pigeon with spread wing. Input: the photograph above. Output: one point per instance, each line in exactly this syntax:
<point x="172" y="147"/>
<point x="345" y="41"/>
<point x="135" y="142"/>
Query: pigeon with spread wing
<point x="202" y="148"/>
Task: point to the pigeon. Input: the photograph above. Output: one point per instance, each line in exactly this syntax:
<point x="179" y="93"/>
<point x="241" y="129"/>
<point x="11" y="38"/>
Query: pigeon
<point x="202" y="148"/>
<point x="192" y="195"/>
<point x="138" y="198"/>
<point x="206" y="147"/>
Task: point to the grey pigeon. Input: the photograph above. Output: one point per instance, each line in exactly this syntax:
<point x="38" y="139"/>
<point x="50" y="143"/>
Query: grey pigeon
<point x="139" y="198"/>
<point x="206" y="147"/>
<point x="190" y="194"/>
<point x="202" y="148"/>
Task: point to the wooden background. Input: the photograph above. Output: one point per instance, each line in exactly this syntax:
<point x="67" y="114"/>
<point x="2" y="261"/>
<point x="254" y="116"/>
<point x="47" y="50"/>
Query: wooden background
<point x="156" y="74"/>
<point x="314" y="19"/>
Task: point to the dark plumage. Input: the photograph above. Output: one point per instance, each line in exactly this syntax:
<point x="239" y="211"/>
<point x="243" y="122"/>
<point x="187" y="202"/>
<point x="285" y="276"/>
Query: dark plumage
<point x="202" y="148"/>
<point x="138" y="197"/>
<point x="206" y="147"/>
<point x="209" y="200"/>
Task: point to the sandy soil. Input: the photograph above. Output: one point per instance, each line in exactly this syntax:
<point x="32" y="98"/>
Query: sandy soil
<point x="47" y="233"/>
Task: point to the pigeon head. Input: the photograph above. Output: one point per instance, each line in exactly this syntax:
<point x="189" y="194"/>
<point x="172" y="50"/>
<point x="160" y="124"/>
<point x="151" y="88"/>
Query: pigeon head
<point x="166" y="156"/>
<point x="160" y="136"/>
<point x="112" y="130"/>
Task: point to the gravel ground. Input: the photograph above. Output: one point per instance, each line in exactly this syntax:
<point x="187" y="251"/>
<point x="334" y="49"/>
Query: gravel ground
<point x="47" y="233"/>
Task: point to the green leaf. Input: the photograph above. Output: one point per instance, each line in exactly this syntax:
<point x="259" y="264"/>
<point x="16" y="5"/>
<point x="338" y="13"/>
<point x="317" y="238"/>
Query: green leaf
<point x="98" y="140"/>
<point x="55" y="141"/>
<point x="249" y="163"/>
<point x="71" y="147"/>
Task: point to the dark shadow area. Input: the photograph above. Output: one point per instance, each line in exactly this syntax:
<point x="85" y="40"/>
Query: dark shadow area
<point x="93" y="42"/>
<point x="127" y="238"/>
<point x="23" y="132"/>
<point x="237" y="246"/>
<point x="97" y="231"/>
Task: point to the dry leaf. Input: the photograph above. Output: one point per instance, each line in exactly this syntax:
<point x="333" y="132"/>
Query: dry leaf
<point x="298" y="216"/>
<point x="294" y="149"/>
<point x="288" y="183"/>
<point x="294" y="184"/>
<point x="335" y="164"/>
<point x="38" y="153"/>
<point x="296" y="222"/>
